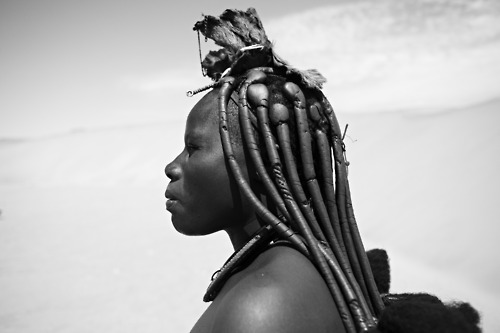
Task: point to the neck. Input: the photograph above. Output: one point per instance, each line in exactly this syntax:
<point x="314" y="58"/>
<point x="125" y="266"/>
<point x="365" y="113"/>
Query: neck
<point x="240" y="235"/>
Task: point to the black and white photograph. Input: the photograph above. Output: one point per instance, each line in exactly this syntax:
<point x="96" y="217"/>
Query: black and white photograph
<point x="249" y="166"/>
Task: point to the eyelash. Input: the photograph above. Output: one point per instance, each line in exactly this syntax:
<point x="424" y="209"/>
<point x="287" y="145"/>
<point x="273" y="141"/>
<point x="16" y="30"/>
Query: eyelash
<point x="190" y="149"/>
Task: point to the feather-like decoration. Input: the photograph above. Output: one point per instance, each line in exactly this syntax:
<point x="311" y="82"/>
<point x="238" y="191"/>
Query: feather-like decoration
<point x="234" y="30"/>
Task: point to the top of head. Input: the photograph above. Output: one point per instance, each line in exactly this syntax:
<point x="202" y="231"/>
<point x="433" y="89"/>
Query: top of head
<point x="245" y="46"/>
<point x="248" y="61"/>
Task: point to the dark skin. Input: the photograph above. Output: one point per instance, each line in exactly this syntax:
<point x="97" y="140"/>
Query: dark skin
<point x="281" y="290"/>
<point x="203" y="197"/>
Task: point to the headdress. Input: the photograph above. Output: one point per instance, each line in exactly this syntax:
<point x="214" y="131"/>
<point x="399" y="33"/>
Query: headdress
<point x="245" y="45"/>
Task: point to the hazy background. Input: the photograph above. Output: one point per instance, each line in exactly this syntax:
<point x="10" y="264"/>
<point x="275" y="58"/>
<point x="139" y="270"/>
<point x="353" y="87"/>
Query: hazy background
<point x="92" y="106"/>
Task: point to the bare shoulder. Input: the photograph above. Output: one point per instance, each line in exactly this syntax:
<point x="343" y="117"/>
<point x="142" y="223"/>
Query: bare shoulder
<point x="281" y="291"/>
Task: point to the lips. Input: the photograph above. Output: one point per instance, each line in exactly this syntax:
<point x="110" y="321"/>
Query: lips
<point x="171" y="200"/>
<point x="170" y="204"/>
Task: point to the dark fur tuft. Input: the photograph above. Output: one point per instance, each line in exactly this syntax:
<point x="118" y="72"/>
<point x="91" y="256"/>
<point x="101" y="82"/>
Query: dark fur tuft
<point x="417" y="313"/>
<point x="379" y="262"/>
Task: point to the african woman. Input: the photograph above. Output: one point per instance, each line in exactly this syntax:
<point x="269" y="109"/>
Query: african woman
<point x="264" y="161"/>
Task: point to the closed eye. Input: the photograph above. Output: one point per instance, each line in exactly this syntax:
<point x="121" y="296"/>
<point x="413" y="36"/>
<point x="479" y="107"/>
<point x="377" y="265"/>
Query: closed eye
<point x="191" y="149"/>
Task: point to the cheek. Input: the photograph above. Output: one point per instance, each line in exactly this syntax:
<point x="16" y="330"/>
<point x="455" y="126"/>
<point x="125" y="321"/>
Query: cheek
<point x="210" y="205"/>
<point x="208" y="180"/>
<point x="214" y="197"/>
<point x="212" y="179"/>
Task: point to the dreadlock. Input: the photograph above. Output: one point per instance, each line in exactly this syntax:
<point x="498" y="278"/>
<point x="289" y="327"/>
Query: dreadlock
<point x="292" y="181"/>
<point x="294" y="141"/>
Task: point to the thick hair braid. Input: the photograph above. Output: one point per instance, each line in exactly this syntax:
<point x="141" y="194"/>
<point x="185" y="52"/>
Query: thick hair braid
<point x="350" y="231"/>
<point x="309" y="221"/>
<point x="283" y="230"/>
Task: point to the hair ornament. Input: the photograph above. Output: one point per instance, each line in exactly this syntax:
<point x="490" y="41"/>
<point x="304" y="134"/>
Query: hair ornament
<point x="245" y="45"/>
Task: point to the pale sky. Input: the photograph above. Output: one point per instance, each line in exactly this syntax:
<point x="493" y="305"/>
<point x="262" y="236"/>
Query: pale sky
<point x="76" y="65"/>
<point x="71" y="65"/>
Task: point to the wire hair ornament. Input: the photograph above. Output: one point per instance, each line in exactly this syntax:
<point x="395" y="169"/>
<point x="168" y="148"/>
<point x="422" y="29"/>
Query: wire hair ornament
<point x="191" y="93"/>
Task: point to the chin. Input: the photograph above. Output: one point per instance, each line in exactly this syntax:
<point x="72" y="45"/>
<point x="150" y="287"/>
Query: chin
<point x="186" y="228"/>
<point x="179" y="227"/>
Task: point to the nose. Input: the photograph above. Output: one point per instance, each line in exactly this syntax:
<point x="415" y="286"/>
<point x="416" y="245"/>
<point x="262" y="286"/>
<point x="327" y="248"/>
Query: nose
<point x="173" y="170"/>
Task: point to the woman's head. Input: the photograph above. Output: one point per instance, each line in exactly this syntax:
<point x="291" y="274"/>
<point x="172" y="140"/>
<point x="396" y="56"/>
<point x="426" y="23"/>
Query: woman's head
<point x="203" y="196"/>
<point x="275" y="133"/>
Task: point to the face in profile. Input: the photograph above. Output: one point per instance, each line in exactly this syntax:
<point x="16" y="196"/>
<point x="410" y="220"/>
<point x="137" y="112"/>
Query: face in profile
<point x="202" y="195"/>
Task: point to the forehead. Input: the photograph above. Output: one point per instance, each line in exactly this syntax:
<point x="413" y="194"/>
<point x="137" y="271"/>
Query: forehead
<point x="204" y="115"/>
